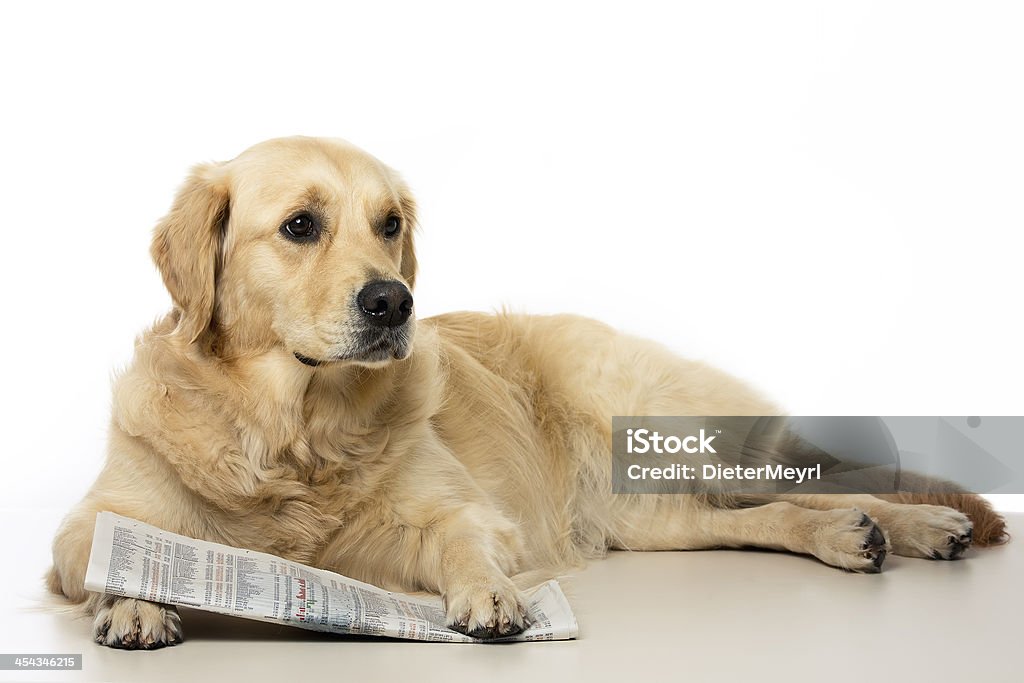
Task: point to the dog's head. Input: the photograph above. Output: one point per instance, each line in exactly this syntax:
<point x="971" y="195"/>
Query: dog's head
<point x="303" y="243"/>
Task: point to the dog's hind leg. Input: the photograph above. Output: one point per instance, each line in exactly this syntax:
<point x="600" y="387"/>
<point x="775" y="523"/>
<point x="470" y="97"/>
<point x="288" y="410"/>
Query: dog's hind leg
<point x="936" y="532"/>
<point x="845" y="538"/>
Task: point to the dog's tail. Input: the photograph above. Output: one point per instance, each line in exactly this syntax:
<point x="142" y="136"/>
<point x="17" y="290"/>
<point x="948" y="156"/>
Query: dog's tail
<point x="52" y="579"/>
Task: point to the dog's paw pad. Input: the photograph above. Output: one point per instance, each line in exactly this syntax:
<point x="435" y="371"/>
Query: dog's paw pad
<point x="873" y="549"/>
<point x="954" y="547"/>
<point x="137" y="625"/>
<point x="487" y="612"/>
<point x="851" y="540"/>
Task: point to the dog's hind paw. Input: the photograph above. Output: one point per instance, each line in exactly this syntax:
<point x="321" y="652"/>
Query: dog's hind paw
<point x="132" y="624"/>
<point x="931" y="531"/>
<point x="852" y="541"/>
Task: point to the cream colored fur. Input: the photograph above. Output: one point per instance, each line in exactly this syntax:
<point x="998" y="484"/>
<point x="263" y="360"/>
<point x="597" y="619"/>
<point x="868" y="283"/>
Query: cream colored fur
<point x="475" y="459"/>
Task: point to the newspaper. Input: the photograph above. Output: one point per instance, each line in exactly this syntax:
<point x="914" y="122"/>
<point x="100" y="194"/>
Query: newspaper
<point x="136" y="560"/>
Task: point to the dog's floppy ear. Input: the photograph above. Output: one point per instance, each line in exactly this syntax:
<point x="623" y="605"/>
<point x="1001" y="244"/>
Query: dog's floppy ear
<point x="186" y="246"/>
<point x="408" y="266"/>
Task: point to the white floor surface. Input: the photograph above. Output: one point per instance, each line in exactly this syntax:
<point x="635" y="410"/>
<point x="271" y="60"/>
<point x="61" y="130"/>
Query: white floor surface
<point x="695" y="616"/>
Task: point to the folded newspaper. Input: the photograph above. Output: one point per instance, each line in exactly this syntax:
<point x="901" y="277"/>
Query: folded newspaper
<point x="136" y="560"/>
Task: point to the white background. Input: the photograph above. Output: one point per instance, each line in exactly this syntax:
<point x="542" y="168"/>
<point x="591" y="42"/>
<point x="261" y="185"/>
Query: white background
<point x="821" y="198"/>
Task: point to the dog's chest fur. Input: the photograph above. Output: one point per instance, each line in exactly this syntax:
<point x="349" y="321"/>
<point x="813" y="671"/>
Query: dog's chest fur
<point x="275" y="457"/>
<point x="311" y="461"/>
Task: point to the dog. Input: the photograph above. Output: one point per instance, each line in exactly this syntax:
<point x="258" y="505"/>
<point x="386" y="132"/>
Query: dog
<point x="292" y="403"/>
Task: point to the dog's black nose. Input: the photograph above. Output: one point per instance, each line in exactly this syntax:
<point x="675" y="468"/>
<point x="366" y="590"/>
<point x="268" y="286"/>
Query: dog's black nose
<point x="386" y="303"/>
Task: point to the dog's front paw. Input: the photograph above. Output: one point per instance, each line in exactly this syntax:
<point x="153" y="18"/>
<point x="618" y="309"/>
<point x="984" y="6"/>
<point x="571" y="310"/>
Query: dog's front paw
<point x="488" y="608"/>
<point x="136" y="624"/>
<point x="931" y="531"/>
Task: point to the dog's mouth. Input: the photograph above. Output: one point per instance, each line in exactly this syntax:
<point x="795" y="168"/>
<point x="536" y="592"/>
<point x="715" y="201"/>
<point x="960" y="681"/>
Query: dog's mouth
<point x="306" y="360"/>
<point x="373" y="347"/>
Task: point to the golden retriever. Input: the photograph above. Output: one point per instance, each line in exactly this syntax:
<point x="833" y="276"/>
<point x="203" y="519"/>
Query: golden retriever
<point x="292" y="403"/>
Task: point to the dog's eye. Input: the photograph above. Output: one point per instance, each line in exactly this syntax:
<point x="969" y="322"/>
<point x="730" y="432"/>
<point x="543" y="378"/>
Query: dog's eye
<point x="301" y="228"/>
<point x="392" y="226"/>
